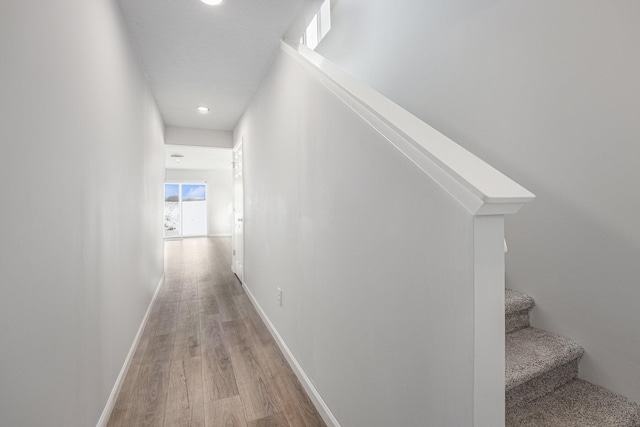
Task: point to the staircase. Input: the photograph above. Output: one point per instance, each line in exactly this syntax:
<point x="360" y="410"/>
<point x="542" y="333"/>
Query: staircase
<point x="542" y="388"/>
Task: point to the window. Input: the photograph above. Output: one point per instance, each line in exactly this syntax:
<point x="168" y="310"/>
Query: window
<point x="194" y="210"/>
<point x="324" y="15"/>
<point x="172" y="209"/>
<point x="311" y="35"/>
<point x="318" y="27"/>
<point x="185" y="210"/>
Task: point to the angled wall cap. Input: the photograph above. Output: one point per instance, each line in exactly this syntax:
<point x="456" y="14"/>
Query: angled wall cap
<point x="480" y="188"/>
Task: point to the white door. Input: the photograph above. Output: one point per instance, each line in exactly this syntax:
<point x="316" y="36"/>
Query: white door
<point x="238" y="210"/>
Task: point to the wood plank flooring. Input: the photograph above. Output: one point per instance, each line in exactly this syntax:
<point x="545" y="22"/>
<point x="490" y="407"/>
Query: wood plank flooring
<point x="206" y="359"/>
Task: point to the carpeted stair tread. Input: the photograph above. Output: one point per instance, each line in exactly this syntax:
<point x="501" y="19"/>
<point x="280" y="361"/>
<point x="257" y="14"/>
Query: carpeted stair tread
<point x="515" y="301"/>
<point x="532" y="352"/>
<point x="541" y="385"/>
<point x="516" y="310"/>
<point x="576" y="404"/>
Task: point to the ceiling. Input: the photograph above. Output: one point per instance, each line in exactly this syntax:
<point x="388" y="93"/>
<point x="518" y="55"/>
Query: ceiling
<point x="215" y="56"/>
<point x="197" y="157"/>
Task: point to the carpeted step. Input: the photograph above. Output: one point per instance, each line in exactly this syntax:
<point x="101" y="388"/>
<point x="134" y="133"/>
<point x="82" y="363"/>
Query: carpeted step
<point x="516" y="310"/>
<point x="576" y="404"/>
<point x="538" y="362"/>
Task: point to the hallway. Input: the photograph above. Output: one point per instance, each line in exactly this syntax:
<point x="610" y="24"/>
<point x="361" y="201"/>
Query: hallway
<point x="206" y="358"/>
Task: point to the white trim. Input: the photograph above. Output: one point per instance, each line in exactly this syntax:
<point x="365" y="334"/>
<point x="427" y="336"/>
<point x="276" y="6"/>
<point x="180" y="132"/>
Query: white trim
<point x="477" y="186"/>
<point x="311" y="390"/>
<point x="106" y="413"/>
<point x="488" y="324"/>
<point x="196" y="236"/>
<point x="238" y="255"/>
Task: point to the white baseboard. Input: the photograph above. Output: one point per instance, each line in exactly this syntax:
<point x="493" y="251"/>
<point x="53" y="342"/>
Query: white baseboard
<point x="204" y="235"/>
<point x="311" y="390"/>
<point x="106" y="413"/>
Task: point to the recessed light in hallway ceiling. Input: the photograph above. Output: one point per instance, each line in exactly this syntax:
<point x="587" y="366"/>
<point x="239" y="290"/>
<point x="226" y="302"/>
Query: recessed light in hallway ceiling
<point x="212" y="2"/>
<point x="203" y="109"/>
<point x="194" y="54"/>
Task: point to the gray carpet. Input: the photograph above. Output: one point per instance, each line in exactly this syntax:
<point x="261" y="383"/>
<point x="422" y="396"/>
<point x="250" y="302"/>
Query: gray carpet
<point x="541" y="385"/>
<point x="541" y="388"/>
<point x="577" y="404"/>
<point x="516" y="310"/>
<point x="515" y="301"/>
<point x="532" y="352"/>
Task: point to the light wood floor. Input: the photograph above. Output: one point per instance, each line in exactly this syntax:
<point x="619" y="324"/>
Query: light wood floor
<point x="206" y="358"/>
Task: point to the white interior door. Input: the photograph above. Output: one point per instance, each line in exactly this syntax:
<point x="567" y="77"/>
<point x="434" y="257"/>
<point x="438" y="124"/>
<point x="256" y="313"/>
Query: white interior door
<point x="238" y="210"/>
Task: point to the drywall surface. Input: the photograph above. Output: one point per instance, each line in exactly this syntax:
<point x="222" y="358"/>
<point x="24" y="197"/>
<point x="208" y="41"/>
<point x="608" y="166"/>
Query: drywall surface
<point x="374" y="260"/>
<point x="219" y="196"/>
<point x="81" y="188"/>
<point x="548" y="93"/>
<point x="200" y="137"/>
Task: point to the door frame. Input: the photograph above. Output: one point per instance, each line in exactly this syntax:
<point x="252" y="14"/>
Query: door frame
<point x="238" y="250"/>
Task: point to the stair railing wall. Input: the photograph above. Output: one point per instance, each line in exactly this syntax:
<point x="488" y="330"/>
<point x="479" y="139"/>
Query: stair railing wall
<point x="392" y="275"/>
<point x="482" y="190"/>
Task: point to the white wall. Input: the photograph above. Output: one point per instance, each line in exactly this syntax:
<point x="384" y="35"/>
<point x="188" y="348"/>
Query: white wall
<point x="219" y="196"/>
<point x="548" y="93"/>
<point x="199" y="137"/>
<point x="81" y="189"/>
<point x="342" y="222"/>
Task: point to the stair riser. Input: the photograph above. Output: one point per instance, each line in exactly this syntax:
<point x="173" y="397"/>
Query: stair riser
<point x="516" y="321"/>
<point x="541" y="385"/>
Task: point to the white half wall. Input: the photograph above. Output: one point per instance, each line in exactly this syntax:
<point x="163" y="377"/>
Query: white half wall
<point x="175" y="135"/>
<point x="548" y="93"/>
<point x="380" y="321"/>
<point x="219" y="196"/>
<point x="81" y="187"/>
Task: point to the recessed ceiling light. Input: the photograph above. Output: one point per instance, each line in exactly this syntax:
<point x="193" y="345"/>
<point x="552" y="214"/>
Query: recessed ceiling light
<point x="203" y="109"/>
<point x="177" y="157"/>
<point x="212" y="2"/>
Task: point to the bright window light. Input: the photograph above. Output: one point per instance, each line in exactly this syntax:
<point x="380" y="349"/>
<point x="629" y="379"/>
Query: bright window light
<point x="325" y="18"/>
<point x="311" y="35"/>
<point x="318" y="27"/>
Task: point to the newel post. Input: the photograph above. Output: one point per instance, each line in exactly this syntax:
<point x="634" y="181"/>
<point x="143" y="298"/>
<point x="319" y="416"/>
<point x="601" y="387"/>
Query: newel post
<point x="489" y="326"/>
